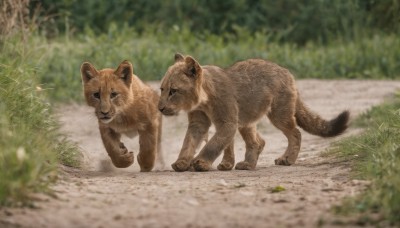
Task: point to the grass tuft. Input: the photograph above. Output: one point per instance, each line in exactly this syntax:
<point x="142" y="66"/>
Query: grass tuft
<point x="30" y="146"/>
<point x="377" y="153"/>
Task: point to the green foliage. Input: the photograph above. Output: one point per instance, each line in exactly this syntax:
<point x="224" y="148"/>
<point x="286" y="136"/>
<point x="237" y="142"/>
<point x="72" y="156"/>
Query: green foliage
<point x="151" y="53"/>
<point x="29" y="142"/>
<point x="284" y="20"/>
<point x="378" y="114"/>
<point x="317" y="43"/>
<point x="377" y="158"/>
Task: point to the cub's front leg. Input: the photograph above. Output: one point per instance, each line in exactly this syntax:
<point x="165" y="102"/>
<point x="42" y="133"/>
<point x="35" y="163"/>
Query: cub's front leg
<point x="148" y="142"/>
<point x="197" y="131"/>
<point x="222" y="139"/>
<point x="117" y="151"/>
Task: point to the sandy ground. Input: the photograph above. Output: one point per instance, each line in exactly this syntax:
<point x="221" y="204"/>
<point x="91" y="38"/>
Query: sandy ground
<point x="102" y="196"/>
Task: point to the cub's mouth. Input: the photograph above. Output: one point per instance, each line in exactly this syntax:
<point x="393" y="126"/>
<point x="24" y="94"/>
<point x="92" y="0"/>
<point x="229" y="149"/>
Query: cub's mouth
<point x="168" y="112"/>
<point x="105" y="119"/>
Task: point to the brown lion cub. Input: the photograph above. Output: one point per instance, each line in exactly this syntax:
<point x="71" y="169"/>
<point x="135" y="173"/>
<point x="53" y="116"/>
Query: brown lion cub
<point x="124" y="105"/>
<point x="236" y="98"/>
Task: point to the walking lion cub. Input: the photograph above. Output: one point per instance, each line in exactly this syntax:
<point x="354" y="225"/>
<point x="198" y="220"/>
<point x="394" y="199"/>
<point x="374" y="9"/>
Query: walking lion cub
<point x="236" y="98"/>
<point x="124" y="105"/>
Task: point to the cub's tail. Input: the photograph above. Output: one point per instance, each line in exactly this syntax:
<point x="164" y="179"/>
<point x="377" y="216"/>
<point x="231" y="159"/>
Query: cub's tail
<point x="314" y="124"/>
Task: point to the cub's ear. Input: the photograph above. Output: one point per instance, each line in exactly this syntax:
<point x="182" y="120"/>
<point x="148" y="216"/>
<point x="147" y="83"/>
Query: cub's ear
<point x="125" y="72"/>
<point x="193" y="68"/>
<point x="88" y="72"/>
<point x="179" y="57"/>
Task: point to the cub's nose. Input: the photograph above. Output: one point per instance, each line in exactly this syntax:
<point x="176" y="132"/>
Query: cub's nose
<point x="104" y="113"/>
<point x="161" y="109"/>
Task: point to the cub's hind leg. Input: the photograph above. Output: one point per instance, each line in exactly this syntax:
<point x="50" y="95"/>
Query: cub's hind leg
<point x="294" y="142"/>
<point x="282" y="117"/>
<point x="254" y="146"/>
<point x="228" y="160"/>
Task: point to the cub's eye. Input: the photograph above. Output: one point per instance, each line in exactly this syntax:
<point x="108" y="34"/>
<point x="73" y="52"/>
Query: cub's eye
<point x="96" y="95"/>
<point x="172" y="91"/>
<point x="113" y="94"/>
<point x="162" y="89"/>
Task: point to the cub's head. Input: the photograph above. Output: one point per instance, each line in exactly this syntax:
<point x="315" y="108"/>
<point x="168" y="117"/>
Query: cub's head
<point x="107" y="90"/>
<point x="181" y="86"/>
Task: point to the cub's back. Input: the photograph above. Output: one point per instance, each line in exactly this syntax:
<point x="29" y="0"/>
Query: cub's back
<point x="258" y="70"/>
<point x="257" y="82"/>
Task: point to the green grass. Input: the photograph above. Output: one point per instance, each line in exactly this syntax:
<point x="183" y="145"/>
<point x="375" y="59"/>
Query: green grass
<point x="377" y="153"/>
<point x="30" y="146"/>
<point x="152" y="52"/>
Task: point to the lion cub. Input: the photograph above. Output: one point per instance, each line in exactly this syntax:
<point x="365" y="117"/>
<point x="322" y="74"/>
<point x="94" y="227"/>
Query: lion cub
<point x="124" y="105"/>
<point x="236" y="98"/>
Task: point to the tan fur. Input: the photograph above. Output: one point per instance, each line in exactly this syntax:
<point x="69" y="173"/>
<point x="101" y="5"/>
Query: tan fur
<point x="124" y="105"/>
<point x="236" y="98"/>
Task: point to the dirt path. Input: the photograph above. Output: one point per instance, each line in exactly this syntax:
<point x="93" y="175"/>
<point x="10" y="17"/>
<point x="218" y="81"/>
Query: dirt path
<point x="102" y="196"/>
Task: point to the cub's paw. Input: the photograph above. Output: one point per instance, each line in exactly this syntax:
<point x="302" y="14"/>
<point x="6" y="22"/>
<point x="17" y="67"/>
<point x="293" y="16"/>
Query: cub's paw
<point x="244" y="165"/>
<point x="282" y="161"/>
<point x="145" y="165"/>
<point x="181" y="165"/>
<point x="201" y="165"/>
<point x="123" y="160"/>
<point x="146" y="169"/>
<point x="225" y="166"/>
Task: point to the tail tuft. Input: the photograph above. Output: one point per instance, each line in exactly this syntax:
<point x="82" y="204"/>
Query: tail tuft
<point x="338" y="125"/>
<point x="314" y="124"/>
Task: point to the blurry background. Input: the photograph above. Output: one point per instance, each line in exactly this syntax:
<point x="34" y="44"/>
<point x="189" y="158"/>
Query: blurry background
<point x="282" y="20"/>
<point x="313" y="38"/>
